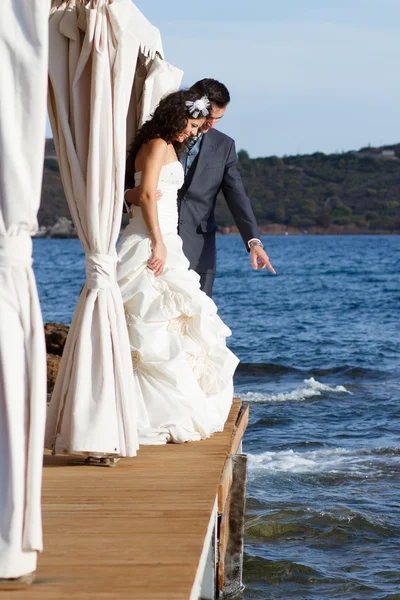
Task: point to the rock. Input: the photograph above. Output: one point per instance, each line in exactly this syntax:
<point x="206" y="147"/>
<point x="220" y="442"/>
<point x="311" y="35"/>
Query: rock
<point x="41" y="232"/>
<point x="62" y="228"/>
<point x="56" y="336"/>
<point x="53" y="364"/>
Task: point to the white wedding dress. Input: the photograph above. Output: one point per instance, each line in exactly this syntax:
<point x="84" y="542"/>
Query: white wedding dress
<point x="183" y="369"/>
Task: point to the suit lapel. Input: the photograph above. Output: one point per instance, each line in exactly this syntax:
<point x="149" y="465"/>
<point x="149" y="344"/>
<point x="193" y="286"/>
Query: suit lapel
<point x="204" y="157"/>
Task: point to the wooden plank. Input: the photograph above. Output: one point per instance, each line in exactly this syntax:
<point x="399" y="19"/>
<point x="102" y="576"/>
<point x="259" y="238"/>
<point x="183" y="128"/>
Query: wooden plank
<point x="225" y="485"/>
<point x="133" y="531"/>
<point x="240" y="428"/>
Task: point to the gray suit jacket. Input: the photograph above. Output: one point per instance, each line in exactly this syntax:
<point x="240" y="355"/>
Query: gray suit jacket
<point x="215" y="170"/>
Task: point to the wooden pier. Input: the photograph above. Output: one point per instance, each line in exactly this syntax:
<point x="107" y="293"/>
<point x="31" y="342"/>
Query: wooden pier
<point x="157" y="526"/>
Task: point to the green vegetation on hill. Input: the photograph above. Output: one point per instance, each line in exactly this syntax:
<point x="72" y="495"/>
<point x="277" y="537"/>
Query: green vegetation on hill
<point x="323" y="190"/>
<point x="296" y="191"/>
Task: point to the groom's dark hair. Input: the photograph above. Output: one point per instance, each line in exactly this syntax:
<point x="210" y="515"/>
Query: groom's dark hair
<point x="215" y="91"/>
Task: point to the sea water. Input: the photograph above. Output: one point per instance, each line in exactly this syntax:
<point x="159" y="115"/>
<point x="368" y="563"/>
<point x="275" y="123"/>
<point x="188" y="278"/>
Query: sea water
<point x="319" y="345"/>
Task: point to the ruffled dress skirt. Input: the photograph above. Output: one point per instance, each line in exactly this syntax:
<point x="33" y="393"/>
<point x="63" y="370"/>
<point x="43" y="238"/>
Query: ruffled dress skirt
<point x="183" y="369"/>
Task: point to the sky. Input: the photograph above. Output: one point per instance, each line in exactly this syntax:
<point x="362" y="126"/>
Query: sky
<point x="304" y="75"/>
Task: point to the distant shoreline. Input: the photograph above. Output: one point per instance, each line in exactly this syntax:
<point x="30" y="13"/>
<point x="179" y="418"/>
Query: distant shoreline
<point x="63" y="228"/>
<point x="264" y="232"/>
<point x="332" y="230"/>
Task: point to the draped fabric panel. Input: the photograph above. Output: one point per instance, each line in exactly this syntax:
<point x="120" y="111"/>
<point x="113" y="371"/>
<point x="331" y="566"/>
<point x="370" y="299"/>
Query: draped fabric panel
<point x="155" y="78"/>
<point x="95" y="51"/>
<point x="23" y="89"/>
<point x="162" y="79"/>
<point x="91" y="70"/>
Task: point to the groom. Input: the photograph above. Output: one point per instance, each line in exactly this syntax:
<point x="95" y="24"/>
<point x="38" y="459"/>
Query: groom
<point x="210" y="166"/>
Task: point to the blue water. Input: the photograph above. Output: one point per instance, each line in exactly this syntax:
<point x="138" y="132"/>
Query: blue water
<point x="320" y="347"/>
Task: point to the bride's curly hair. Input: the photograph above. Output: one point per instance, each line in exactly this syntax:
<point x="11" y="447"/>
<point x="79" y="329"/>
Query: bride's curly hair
<point x="168" y="121"/>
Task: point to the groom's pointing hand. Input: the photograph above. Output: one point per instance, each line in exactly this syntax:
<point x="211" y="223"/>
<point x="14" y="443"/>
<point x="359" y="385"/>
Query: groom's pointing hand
<point x="259" y="259"/>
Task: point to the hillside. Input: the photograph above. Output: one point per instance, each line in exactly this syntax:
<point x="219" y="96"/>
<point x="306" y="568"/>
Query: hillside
<point x="353" y="189"/>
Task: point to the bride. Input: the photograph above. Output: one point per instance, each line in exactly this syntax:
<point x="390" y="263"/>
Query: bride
<point x="182" y="367"/>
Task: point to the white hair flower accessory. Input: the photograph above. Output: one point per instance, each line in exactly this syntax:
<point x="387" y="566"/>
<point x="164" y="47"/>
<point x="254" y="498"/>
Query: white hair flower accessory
<point x="198" y="107"/>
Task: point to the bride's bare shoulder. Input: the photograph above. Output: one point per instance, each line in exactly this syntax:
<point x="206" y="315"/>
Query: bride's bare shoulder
<point x="155" y="146"/>
<point x="154" y="150"/>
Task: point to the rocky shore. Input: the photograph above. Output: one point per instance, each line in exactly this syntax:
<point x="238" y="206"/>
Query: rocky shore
<point x="55" y="335"/>
<point x="62" y="228"/>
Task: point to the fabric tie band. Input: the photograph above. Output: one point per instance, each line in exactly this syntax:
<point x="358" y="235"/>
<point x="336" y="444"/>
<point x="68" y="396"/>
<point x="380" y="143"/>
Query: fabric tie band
<point x="16" y="250"/>
<point x="101" y="272"/>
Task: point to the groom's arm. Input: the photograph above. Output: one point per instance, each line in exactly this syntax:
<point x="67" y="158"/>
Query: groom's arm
<point x="132" y="197"/>
<point x="242" y="211"/>
<point x="238" y="202"/>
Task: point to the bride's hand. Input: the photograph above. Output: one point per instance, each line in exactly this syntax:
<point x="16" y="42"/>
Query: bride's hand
<point x="156" y="262"/>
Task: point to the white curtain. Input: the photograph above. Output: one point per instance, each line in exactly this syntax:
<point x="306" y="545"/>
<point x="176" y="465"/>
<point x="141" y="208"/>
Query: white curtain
<point x="23" y="88"/>
<point x="95" y="49"/>
<point x="155" y="78"/>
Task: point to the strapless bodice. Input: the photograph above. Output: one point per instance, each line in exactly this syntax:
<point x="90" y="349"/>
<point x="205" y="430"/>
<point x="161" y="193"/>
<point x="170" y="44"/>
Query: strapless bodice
<point x="170" y="181"/>
<point x="171" y="175"/>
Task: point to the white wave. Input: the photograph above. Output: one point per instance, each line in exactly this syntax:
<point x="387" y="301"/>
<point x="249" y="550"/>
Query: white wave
<point x="334" y="460"/>
<point x="312" y="388"/>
